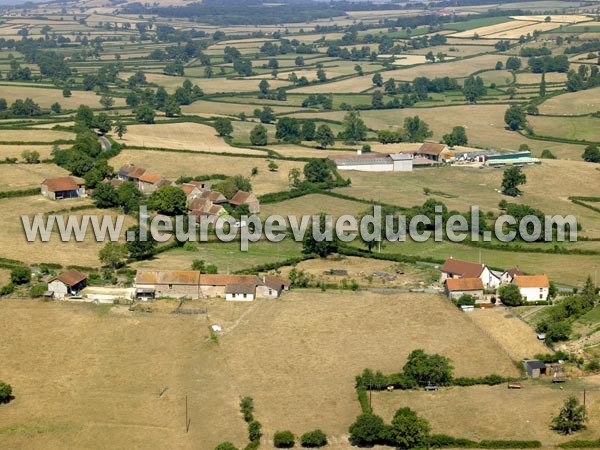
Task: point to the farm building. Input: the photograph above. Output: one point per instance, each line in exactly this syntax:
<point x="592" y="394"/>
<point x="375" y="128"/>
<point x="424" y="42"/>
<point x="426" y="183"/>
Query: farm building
<point x="241" y="292"/>
<point x="191" y="191"/>
<point x="455" y="268"/>
<point x="246" y="198"/>
<point x="534" y="367"/>
<point x="508" y="275"/>
<point x="129" y="172"/>
<point x="193" y="284"/>
<point x="168" y="283"/>
<point x="533" y="287"/>
<point x="149" y="182"/>
<point x="457" y="287"/>
<point x="67" y="283"/>
<point x="374" y="162"/>
<point x="63" y="187"/>
<point x="435" y="152"/>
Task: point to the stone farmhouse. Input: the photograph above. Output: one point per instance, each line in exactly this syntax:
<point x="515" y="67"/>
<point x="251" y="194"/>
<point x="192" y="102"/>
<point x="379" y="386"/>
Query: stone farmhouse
<point x="195" y="285"/>
<point x="67" y="284"/>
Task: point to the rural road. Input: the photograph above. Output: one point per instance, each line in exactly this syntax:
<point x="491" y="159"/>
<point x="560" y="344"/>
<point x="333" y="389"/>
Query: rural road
<point x="105" y="143"/>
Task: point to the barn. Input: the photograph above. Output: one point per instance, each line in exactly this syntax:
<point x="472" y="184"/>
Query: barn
<point x="67" y="284"/>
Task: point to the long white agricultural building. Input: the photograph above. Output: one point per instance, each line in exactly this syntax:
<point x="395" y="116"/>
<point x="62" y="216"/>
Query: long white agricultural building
<point x="374" y="162"/>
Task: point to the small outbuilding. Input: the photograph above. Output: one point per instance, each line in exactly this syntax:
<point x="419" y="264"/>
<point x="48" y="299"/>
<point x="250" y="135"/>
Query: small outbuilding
<point x="534" y="367"/>
<point x="63" y="187"/>
<point x="67" y="283"/>
<point x="240" y="292"/>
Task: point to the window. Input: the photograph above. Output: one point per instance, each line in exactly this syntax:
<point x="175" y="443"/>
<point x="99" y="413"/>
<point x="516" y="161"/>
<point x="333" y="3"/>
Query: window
<point x="244" y="295"/>
<point x="170" y="286"/>
<point x="541" y="296"/>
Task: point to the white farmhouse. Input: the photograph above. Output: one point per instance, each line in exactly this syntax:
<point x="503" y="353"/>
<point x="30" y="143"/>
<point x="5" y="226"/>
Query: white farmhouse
<point x="533" y="287"/>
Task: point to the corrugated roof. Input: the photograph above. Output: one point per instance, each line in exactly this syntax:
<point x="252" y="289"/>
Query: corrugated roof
<point x="464" y="284"/>
<point x="532" y="281"/>
<point x="72" y="277"/>
<point x="429" y="148"/>
<point x="465" y="269"/>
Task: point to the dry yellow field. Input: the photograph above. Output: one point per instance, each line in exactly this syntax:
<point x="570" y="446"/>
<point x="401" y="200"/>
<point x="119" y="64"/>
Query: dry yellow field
<point x="536" y="78"/>
<point x="361" y="269"/>
<point x="484" y="124"/>
<point x="14" y="151"/>
<point x="515" y="33"/>
<point x="478" y="187"/>
<point x="314" y="204"/>
<point x="511" y="334"/>
<point x="560" y="18"/>
<point x="27" y="176"/>
<point x="496" y="412"/>
<point x="34" y="135"/>
<point x="232" y="109"/>
<point x="173" y="165"/>
<point x="14" y="245"/>
<point x="360" y="84"/>
<point x="305" y="384"/>
<point x="573" y="103"/>
<point x="46" y="97"/>
<point x="492" y="29"/>
<point x="180" y="136"/>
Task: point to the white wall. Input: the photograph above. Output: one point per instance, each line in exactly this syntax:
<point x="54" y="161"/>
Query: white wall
<point x="370" y="167"/>
<point x="239" y="297"/>
<point x="534" y="294"/>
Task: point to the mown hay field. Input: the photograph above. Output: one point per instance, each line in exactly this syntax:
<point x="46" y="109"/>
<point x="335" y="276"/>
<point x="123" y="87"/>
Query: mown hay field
<point x="15" y="151"/>
<point x="180" y="136"/>
<point x="17" y="136"/>
<point x="458" y="68"/>
<point x="314" y="204"/>
<point x="515" y="33"/>
<point x="46" y="97"/>
<point x="491" y="29"/>
<point x="231" y="109"/>
<point x="582" y="102"/>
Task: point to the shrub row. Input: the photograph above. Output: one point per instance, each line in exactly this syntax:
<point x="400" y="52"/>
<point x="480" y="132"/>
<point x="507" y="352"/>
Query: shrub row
<point x="442" y="440"/>
<point x="581" y="444"/>
<point x="20" y="193"/>
<point x="274" y="265"/>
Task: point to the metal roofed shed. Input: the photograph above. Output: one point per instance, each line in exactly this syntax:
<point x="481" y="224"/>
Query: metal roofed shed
<point x="534" y="367"/>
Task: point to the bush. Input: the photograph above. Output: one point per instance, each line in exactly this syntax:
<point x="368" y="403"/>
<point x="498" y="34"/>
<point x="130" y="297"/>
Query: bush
<point x="246" y="406"/>
<point x="7" y="289"/>
<point x="254" y="430"/>
<point x="313" y="439"/>
<point x="5" y="392"/>
<point x="283" y="439"/>
<point x="38" y="290"/>
<point x="226" y="446"/>
<point x="20" y="275"/>
<point x="367" y="430"/>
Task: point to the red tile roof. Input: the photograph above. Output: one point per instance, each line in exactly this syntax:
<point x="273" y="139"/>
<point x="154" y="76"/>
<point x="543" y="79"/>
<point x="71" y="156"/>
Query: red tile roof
<point x="514" y="271"/>
<point x="240" y="198"/>
<point x="465" y="269"/>
<point x="63" y="184"/>
<point x="151" y="178"/>
<point x="239" y="288"/>
<point x="276" y="283"/>
<point x="464" y="284"/>
<point x="532" y="281"/>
